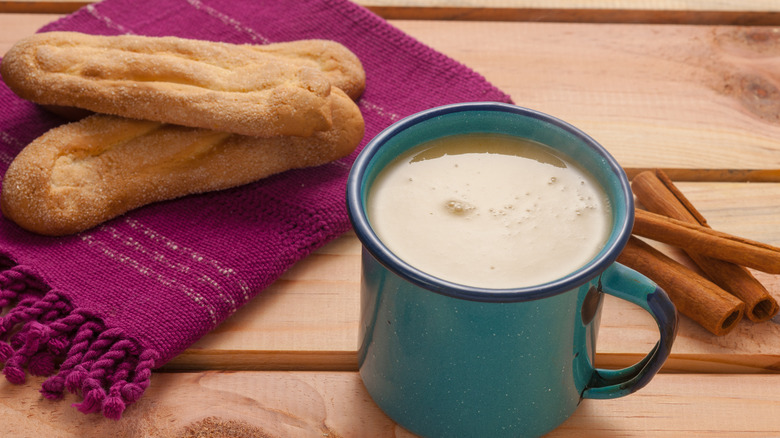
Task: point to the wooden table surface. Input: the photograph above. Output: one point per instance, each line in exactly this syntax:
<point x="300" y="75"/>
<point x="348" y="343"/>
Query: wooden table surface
<point x="684" y="86"/>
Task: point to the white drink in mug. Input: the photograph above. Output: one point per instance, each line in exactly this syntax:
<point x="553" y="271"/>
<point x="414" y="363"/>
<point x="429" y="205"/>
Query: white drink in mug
<point x="489" y="210"/>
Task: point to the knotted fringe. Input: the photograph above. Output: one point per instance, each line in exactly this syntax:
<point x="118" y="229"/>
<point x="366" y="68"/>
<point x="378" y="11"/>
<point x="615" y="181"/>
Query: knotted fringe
<point x="44" y="333"/>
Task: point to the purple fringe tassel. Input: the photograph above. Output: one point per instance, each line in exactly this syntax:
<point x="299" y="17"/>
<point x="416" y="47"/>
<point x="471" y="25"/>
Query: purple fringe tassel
<point x="44" y="334"/>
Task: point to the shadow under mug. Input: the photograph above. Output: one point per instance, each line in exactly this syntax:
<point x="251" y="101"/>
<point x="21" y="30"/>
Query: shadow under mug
<point x="445" y="360"/>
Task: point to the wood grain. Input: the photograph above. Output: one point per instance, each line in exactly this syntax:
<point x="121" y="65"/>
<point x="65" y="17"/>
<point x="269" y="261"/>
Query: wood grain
<point x="14" y="27"/>
<point x="335" y="404"/>
<point x="679" y="97"/>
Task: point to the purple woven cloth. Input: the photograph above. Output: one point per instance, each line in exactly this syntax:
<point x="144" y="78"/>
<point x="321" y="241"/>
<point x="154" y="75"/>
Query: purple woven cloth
<point x="98" y="311"/>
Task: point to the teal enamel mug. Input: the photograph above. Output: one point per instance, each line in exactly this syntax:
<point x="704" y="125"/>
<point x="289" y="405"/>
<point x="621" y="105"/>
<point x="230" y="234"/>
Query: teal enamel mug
<point x="446" y="359"/>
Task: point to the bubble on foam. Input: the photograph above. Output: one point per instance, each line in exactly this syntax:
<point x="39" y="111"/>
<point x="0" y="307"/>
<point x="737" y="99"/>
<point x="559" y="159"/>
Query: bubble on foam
<point x="458" y="207"/>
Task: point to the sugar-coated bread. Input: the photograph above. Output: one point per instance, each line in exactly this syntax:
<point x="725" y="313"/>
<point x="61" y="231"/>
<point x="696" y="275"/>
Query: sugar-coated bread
<point x="259" y="90"/>
<point x="81" y="174"/>
<point x="341" y="67"/>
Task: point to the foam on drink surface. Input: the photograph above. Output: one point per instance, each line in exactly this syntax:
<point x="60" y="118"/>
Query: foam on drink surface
<point x="489" y="210"/>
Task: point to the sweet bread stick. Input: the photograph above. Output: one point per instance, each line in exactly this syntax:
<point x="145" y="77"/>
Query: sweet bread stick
<point x="340" y="66"/>
<point x="81" y="174"/>
<point x="252" y="90"/>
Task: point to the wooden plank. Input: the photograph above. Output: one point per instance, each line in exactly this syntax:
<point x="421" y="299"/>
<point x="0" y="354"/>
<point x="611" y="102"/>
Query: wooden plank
<point x="671" y="5"/>
<point x="42" y="7"/>
<point x="307" y="404"/>
<point x="740" y="209"/>
<point x="293" y="325"/>
<point x="678" y="97"/>
<point x="13" y="27"/>
<point x="714" y="175"/>
<point x="306" y="320"/>
<point x="754" y="12"/>
<point x="676" y="405"/>
<point x="585" y="15"/>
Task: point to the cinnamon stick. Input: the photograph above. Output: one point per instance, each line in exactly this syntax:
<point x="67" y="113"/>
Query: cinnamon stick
<point x="656" y="191"/>
<point x="694" y="296"/>
<point x="708" y="242"/>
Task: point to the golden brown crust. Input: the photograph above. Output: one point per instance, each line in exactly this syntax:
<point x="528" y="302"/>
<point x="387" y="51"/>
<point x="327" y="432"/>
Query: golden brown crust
<point x="277" y="89"/>
<point x="84" y="173"/>
<point x="342" y="68"/>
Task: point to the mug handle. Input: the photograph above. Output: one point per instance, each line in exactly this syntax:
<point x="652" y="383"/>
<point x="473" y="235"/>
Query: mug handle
<point x="629" y="285"/>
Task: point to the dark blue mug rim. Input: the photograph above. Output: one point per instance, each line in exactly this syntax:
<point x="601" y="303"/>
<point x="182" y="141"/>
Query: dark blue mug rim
<point x="371" y="242"/>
